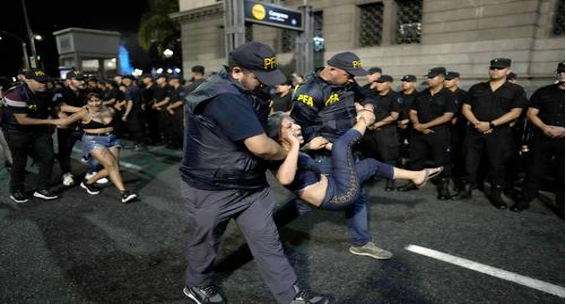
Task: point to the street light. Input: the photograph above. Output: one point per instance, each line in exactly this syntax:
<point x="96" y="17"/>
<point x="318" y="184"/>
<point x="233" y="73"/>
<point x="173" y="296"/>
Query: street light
<point x="168" y="53"/>
<point x="38" y="37"/>
<point x="24" y="47"/>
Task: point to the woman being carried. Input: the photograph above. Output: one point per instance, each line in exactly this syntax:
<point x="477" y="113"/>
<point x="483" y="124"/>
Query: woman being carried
<point x="99" y="140"/>
<point x="299" y="172"/>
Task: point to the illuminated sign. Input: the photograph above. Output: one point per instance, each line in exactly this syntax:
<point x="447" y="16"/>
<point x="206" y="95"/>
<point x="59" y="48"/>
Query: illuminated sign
<point x="273" y="15"/>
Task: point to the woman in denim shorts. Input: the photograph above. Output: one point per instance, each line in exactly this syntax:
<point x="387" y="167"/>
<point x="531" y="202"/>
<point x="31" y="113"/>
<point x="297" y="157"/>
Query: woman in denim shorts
<point x="99" y="140"/>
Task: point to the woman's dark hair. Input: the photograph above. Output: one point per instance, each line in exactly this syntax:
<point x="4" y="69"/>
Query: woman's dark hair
<point x="91" y="95"/>
<point x="274" y="124"/>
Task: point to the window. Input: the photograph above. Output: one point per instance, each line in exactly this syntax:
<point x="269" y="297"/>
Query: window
<point x="558" y="28"/>
<point x="288" y="38"/>
<point x="409" y="16"/>
<point x="249" y="32"/>
<point x="371" y="24"/>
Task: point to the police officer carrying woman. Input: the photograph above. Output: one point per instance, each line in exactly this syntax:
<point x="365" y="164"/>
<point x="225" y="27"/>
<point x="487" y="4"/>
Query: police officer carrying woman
<point x="223" y="175"/>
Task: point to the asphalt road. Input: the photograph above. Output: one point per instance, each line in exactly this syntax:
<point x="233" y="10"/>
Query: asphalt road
<point x="93" y="249"/>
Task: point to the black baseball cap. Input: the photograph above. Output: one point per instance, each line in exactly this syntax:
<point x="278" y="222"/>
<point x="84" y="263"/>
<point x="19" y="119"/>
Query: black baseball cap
<point x="435" y="72"/>
<point x="74" y="74"/>
<point x="261" y="60"/>
<point x="37" y="75"/>
<point x="409" y="78"/>
<point x="197" y="69"/>
<point x="451" y="75"/>
<point x="129" y="77"/>
<point x="146" y="76"/>
<point x="162" y="76"/>
<point x="374" y="70"/>
<point x="384" y="78"/>
<point x="500" y="63"/>
<point x="348" y="62"/>
<point x="560" y="67"/>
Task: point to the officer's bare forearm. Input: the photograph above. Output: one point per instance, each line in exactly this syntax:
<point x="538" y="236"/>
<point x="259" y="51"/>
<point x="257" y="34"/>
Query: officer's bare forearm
<point x="24" y="120"/>
<point x="387" y="120"/>
<point x="532" y="115"/>
<point x="446" y="117"/>
<point x="414" y="117"/>
<point x="176" y="104"/>
<point x="265" y="147"/>
<point x="467" y="112"/>
<point x="508" y="117"/>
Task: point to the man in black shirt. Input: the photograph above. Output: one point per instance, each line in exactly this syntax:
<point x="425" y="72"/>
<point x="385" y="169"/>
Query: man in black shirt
<point x="381" y="141"/>
<point x="197" y="78"/>
<point x="74" y="94"/>
<point x="162" y="97"/>
<point x="175" y="112"/>
<point x="457" y="130"/>
<point x="132" y="117"/>
<point x="546" y="112"/>
<point x="493" y="105"/>
<point x="281" y="100"/>
<point x="405" y="98"/>
<point x="223" y="176"/>
<point x="149" y="115"/>
<point x="431" y="115"/>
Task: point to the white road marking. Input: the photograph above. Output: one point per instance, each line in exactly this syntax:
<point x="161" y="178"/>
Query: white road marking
<point x="492" y="271"/>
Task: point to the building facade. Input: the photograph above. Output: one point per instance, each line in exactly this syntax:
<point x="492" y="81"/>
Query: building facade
<point x="401" y="36"/>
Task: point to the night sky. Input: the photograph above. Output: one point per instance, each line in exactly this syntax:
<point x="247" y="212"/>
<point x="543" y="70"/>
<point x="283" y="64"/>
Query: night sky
<point x="47" y="17"/>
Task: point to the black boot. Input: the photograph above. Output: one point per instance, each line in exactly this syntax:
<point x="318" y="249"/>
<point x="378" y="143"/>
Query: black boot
<point x="465" y="193"/>
<point x="520" y="206"/>
<point x="496" y="199"/>
<point x="443" y="192"/>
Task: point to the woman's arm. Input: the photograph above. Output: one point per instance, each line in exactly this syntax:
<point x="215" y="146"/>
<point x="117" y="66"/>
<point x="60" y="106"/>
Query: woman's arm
<point x="70" y="109"/>
<point x="288" y="169"/>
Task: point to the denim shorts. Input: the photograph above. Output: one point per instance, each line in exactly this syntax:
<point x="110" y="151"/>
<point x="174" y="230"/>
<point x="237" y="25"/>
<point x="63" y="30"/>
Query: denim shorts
<point x="91" y="142"/>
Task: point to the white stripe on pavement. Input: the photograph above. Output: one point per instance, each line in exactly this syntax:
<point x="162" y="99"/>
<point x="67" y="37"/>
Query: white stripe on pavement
<point x="492" y="271"/>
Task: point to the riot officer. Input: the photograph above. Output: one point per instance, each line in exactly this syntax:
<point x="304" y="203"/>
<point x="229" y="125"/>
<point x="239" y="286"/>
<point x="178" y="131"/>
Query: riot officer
<point x="381" y="141"/>
<point x="325" y="105"/>
<point x="457" y="130"/>
<point x="28" y="129"/>
<point x="493" y="105"/>
<point x="546" y="113"/>
<point x="431" y="115"/>
<point x="223" y="175"/>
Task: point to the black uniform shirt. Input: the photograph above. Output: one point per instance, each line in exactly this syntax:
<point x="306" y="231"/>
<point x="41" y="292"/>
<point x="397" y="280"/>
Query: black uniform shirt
<point x="430" y="107"/>
<point x="69" y="97"/>
<point x="160" y="93"/>
<point x="488" y="105"/>
<point x="460" y="97"/>
<point x="549" y="100"/>
<point x="405" y="102"/>
<point x="385" y="105"/>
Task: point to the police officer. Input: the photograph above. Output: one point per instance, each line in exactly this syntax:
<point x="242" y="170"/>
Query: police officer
<point x="405" y="98"/>
<point x="457" y="130"/>
<point x="175" y="112"/>
<point x="161" y="99"/>
<point x="197" y="78"/>
<point x="149" y="115"/>
<point x="26" y="126"/>
<point x="431" y="114"/>
<point x="223" y="175"/>
<point x="546" y="112"/>
<point x="373" y="75"/>
<point x="132" y="117"/>
<point x="73" y="95"/>
<point x="381" y="141"/>
<point x="493" y="105"/>
<point x="325" y="105"/>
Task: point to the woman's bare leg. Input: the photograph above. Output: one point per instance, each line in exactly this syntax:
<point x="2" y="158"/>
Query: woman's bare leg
<point x="110" y="164"/>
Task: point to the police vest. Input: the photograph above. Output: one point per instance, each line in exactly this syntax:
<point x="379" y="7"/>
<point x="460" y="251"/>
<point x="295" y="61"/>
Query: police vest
<point x="331" y="106"/>
<point x="211" y="160"/>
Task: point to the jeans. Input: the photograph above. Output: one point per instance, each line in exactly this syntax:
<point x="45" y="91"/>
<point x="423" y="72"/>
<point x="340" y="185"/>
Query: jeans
<point x="20" y="144"/>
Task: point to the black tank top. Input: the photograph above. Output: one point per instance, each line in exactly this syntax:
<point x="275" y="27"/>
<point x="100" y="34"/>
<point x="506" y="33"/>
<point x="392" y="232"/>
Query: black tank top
<point x="92" y="124"/>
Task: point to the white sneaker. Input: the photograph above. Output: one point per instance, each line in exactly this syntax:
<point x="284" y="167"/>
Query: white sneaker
<point x="101" y="181"/>
<point x="68" y="179"/>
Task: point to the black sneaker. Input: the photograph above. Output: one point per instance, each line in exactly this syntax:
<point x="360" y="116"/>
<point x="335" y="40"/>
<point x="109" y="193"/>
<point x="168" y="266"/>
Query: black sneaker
<point x="128" y="197"/>
<point x="18" y="197"/>
<point x="204" y="294"/>
<point x="90" y="189"/>
<point x="303" y="297"/>
<point x="45" y="194"/>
